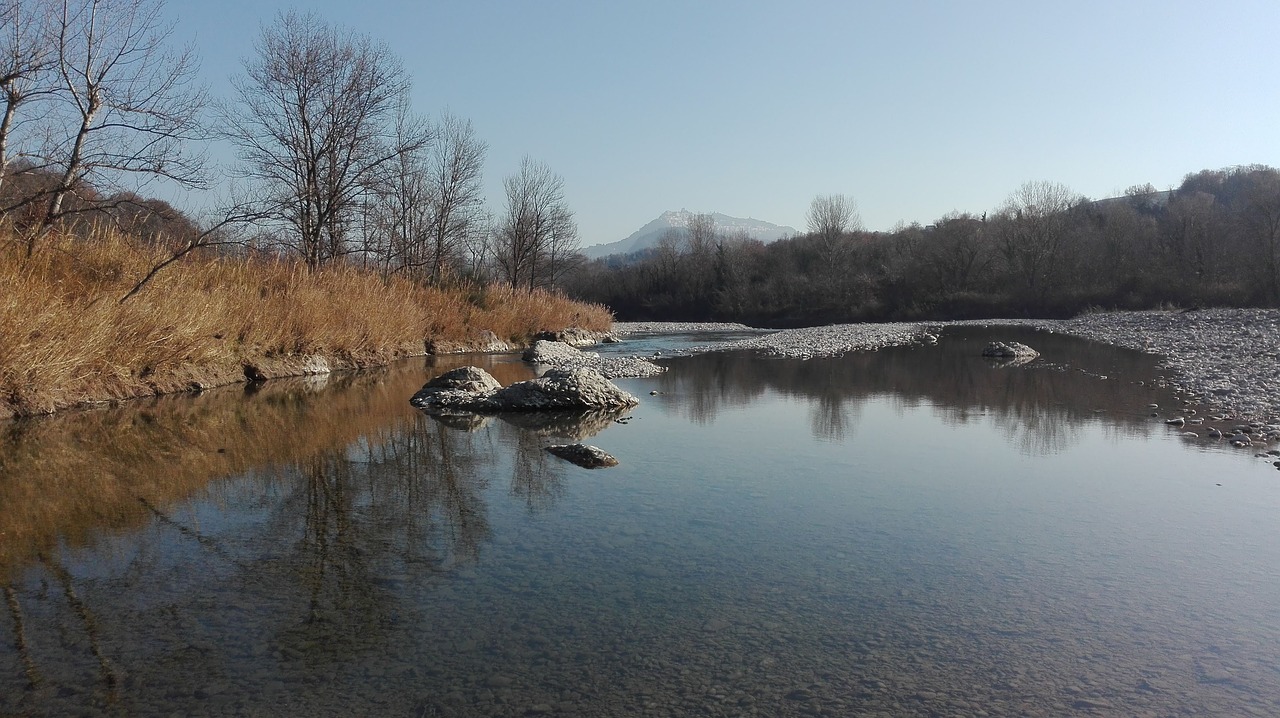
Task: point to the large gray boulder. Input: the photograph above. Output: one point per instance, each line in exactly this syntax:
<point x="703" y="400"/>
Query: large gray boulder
<point x="471" y="379"/>
<point x="564" y="389"/>
<point x="473" y="389"/>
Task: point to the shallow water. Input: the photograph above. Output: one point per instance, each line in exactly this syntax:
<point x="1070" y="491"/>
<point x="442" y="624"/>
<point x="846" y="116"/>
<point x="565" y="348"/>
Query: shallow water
<point x="915" y="531"/>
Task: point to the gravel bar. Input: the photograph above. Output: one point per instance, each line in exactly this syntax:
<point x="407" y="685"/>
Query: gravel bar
<point x="1224" y="359"/>
<point x="623" y="328"/>
<point x="828" y="341"/>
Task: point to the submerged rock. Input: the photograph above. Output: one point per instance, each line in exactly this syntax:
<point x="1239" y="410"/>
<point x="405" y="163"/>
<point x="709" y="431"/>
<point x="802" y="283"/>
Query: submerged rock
<point x="588" y="457"/>
<point x="475" y="390"/>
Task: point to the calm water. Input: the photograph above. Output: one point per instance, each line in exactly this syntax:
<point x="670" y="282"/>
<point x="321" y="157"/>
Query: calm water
<point x="911" y="532"/>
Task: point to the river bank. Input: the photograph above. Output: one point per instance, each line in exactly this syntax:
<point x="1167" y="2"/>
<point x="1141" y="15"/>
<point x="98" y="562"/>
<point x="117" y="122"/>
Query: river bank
<point x="71" y="333"/>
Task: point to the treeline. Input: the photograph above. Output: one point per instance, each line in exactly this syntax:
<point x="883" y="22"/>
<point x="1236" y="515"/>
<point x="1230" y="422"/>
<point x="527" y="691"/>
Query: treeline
<point x="97" y="102"/>
<point x="1046" y="252"/>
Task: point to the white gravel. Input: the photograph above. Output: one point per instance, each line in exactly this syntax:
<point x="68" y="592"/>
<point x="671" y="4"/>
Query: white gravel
<point x="622" y="328"/>
<point x="828" y="341"/>
<point x="1226" y="359"/>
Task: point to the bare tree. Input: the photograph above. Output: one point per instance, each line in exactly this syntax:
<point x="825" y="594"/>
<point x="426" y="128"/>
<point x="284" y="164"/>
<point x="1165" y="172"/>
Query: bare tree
<point x="831" y="219"/>
<point x="1259" y="215"/>
<point x="832" y="215"/>
<point x="455" y="164"/>
<point x="1034" y="233"/>
<point x="536" y="234"/>
<point x="316" y="126"/>
<point x="957" y="252"/>
<point x="396" y="222"/>
<point x="26" y="59"/>
<point x="128" y="103"/>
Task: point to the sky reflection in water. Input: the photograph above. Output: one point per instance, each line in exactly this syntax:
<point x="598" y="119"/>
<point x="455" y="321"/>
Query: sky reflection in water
<point x="914" y="531"/>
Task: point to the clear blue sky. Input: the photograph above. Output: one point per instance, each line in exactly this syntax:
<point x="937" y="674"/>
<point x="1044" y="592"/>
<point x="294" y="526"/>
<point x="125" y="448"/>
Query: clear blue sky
<point x="752" y="108"/>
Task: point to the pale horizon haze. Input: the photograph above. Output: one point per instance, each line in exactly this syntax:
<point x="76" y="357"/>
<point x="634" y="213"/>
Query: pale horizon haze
<point x="915" y="109"/>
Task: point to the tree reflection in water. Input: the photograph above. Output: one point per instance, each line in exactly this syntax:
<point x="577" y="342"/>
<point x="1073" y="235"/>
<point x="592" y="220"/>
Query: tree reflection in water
<point x="1039" y="406"/>
<point x="337" y="507"/>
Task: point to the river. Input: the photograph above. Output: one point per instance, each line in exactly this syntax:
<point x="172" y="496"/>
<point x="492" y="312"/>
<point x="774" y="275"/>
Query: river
<point x="913" y="531"/>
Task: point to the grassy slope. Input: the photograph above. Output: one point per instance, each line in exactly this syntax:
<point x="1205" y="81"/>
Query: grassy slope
<point x="65" y="338"/>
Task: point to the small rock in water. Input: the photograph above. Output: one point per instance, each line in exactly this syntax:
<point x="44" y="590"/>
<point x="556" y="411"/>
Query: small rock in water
<point x="588" y="457"/>
<point x="1176" y="421"/>
<point x="1010" y="350"/>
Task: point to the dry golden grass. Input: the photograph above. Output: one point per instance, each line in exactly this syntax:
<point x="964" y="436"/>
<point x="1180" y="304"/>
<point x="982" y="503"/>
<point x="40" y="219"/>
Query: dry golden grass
<point x="66" y="339"/>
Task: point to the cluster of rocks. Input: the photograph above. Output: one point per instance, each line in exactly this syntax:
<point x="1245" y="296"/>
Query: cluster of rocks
<point x="565" y="356"/>
<point x="565" y="402"/>
<point x="472" y="389"/>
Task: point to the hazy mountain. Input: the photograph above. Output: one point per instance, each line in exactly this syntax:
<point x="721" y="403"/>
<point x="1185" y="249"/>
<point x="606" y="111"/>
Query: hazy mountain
<point x="647" y="236"/>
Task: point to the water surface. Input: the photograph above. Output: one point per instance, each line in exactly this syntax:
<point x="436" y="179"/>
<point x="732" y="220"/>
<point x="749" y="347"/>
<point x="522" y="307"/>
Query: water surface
<point x="915" y="531"/>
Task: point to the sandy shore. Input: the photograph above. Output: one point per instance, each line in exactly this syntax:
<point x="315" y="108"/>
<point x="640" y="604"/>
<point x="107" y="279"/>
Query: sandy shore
<point x="1227" y="360"/>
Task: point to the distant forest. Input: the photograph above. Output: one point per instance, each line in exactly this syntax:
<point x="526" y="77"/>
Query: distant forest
<point x="1046" y="252"/>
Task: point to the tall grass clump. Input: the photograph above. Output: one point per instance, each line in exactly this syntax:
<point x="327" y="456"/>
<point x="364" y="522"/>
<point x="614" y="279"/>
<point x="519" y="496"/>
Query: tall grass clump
<point x="66" y="338"/>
